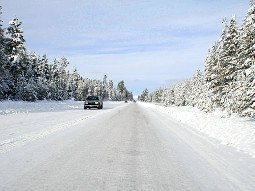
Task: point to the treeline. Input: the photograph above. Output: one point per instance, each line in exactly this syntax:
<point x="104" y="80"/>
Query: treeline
<point x="30" y="77"/>
<point x="228" y="80"/>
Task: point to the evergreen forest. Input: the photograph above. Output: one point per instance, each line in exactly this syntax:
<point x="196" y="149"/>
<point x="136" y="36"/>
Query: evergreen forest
<point x="228" y="79"/>
<point x="30" y="77"/>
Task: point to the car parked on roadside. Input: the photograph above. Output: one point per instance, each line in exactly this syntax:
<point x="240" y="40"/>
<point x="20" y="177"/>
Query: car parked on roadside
<point x="93" y="102"/>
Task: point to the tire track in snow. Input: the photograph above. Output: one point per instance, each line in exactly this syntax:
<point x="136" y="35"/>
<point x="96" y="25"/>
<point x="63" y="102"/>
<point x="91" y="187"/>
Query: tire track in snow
<point x="13" y="143"/>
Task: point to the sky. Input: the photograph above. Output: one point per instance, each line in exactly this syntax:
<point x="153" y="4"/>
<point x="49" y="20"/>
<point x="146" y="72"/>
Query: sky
<point x="146" y="43"/>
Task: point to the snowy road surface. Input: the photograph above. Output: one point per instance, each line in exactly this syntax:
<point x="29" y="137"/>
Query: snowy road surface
<point x="122" y="147"/>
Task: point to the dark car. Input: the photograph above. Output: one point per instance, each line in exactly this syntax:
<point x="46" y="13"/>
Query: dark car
<point x="93" y="102"/>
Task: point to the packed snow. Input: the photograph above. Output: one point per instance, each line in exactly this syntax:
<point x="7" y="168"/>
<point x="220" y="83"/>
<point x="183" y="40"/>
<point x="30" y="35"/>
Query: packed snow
<point x="140" y="146"/>
<point x="25" y="122"/>
<point x="234" y="131"/>
<point x="19" y="122"/>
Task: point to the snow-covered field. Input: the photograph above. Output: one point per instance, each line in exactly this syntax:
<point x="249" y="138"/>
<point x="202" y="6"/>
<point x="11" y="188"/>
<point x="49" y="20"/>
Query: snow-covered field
<point x="17" y="107"/>
<point x="24" y="122"/>
<point x="233" y="131"/>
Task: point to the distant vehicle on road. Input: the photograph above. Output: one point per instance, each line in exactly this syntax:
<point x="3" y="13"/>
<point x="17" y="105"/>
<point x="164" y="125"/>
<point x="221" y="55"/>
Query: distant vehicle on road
<point x="93" y="102"/>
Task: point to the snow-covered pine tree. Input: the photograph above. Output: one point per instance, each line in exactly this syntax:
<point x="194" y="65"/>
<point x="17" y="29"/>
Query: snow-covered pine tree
<point x="228" y="58"/>
<point x="122" y="90"/>
<point x="111" y="95"/>
<point x="82" y="89"/>
<point x="229" y="46"/>
<point x="18" y="57"/>
<point x="4" y="72"/>
<point x="54" y="81"/>
<point x="181" y="93"/>
<point x="144" y="95"/>
<point x="73" y="84"/>
<point x="63" y="78"/>
<point x="29" y="91"/>
<point x="159" y="96"/>
<point x="247" y="39"/>
<point x="212" y="72"/>
<point x="43" y="78"/>
<point x="105" y="88"/>
<point x="170" y="96"/>
<point x="249" y="94"/>
<point x="241" y="98"/>
<point x="252" y="3"/>
<point x="243" y="90"/>
<point x="196" y="87"/>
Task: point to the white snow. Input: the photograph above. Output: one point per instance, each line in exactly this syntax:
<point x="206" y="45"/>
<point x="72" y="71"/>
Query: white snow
<point x="233" y="131"/>
<point x="24" y="122"/>
<point x="17" y="107"/>
<point x="19" y="122"/>
<point x="138" y="146"/>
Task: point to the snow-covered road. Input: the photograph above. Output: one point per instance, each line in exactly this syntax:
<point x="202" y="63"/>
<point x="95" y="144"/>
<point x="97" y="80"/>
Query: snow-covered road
<point x="122" y="147"/>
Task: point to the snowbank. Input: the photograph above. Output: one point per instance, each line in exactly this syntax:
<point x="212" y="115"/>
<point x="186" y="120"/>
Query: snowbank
<point x="16" y="107"/>
<point x="233" y="131"/>
<point x="25" y="122"/>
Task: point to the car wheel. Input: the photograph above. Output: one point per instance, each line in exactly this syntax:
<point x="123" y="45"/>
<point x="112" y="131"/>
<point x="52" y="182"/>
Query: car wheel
<point x="85" y="108"/>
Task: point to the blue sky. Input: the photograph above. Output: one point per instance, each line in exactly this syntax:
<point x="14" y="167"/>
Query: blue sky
<point x="146" y="43"/>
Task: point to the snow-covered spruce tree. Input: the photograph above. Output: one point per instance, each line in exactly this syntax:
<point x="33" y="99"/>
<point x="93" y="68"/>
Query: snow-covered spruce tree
<point x="144" y="96"/>
<point x="111" y="90"/>
<point x="72" y="88"/>
<point x="96" y="88"/>
<point x="196" y="89"/>
<point x="54" y="81"/>
<point x="164" y="96"/>
<point x="228" y="59"/>
<point x="159" y="96"/>
<point x="82" y="89"/>
<point x="43" y="78"/>
<point x="221" y="63"/>
<point x="249" y="102"/>
<point x="155" y="96"/>
<point x="124" y="94"/>
<point x="241" y="96"/>
<point x="18" y="58"/>
<point x="229" y="46"/>
<point x="170" y="99"/>
<point x="247" y="39"/>
<point x="4" y="72"/>
<point x="30" y="88"/>
<point x="180" y="94"/>
<point x="63" y="78"/>
<point x="212" y="72"/>
<point x="105" y="88"/>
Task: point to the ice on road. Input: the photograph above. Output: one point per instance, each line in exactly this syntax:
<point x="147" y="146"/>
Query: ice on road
<point x="123" y="148"/>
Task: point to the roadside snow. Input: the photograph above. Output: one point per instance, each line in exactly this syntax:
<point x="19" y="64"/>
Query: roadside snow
<point x="25" y="122"/>
<point x="15" y="107"/>
<point x="233" y="131"/>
